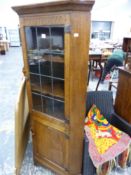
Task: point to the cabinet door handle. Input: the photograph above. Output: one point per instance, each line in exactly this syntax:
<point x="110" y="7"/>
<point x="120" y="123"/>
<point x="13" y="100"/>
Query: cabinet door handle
<point x="33" y="134"/>
<point x="27" y="77"/>
<point x="25" y="74"/>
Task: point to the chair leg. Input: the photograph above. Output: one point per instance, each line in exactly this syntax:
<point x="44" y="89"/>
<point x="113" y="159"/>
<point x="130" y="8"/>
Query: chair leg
<point x="89" y="73"/>
<point x="110" y="85"/>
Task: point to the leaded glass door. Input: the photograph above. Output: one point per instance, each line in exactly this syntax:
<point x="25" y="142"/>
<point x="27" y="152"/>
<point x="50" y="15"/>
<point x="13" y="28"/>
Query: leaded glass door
<point x="45" y="52"/>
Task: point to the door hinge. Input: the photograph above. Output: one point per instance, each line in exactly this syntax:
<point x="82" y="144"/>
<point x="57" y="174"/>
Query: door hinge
<point x="68" y="29"/>
<point x="67" y="136"/>
<point x="33" y="134"/>
<point x="25" y="74"/>
<point x="67" y="121"/>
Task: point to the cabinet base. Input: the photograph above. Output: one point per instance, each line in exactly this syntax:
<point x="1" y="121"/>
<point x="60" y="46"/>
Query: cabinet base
<point x="53" y="167"/>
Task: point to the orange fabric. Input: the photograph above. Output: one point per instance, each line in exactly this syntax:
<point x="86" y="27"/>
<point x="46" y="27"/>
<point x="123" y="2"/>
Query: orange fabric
<point x="104" y="134"/>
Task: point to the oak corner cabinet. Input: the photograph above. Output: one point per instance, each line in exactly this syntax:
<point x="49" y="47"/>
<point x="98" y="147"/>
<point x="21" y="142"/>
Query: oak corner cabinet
<point x="55" y="42"/>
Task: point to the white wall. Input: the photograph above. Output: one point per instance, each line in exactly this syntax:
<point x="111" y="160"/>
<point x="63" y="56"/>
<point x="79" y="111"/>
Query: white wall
<point x="103" y="10"/>
<point x="117" y="11"/>
<point x="8" y="17"/>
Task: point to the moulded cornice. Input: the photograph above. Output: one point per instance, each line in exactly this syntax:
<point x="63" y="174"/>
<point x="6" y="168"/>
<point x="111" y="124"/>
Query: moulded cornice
<point x="55" y="6"/>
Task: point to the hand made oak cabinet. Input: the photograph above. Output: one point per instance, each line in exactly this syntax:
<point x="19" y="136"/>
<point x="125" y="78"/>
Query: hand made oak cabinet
<point x="55" y="42"/>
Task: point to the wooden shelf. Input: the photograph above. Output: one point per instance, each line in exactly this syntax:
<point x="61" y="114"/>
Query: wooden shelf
<point x="57" y="59"/>
<point x="58" y="90"/>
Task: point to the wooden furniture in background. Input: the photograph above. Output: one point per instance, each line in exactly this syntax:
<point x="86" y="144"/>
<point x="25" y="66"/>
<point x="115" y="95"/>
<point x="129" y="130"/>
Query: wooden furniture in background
<point x="5" y="44"/>
<point x="123" y="96"/>
<point x="55" y="41"/>
<point x="95" y="60"/>
<point x="126" y="44"/>
<point x="127" y="48"/>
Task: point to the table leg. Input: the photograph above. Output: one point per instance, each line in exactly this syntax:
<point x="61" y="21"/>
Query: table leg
<point x="89" y="72"/>
<point x="101" y="71"/>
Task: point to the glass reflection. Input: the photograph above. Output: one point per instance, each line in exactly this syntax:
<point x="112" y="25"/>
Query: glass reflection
<point x="58" y="109"/>
<point x="45" y="51"/>
<point x="58" y="88"/>
<point x="47" y="105"/>
<point x="46" y="85"/>
<point x="35" y="82"/>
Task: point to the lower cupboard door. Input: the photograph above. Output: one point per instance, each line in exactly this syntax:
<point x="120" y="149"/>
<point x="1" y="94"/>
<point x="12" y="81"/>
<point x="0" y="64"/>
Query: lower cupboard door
<point x="50" y="144"/>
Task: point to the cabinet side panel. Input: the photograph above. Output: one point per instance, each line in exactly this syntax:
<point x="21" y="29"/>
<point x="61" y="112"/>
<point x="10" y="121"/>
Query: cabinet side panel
<point x="78" y="83"/>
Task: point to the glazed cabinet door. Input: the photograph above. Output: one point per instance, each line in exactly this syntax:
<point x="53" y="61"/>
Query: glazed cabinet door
<point x="46" y="68"/>
<point x="45" y="52"/>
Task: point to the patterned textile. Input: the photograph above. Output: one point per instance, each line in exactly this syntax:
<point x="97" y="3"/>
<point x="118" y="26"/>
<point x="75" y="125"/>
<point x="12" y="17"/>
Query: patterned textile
<point x="105" y="168"/>
<point x="105" y="141"/>
<point x="123" y="157"/>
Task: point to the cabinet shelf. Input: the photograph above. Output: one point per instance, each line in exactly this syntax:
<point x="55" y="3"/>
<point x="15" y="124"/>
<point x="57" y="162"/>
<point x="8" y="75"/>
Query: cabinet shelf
<point x="57" y="59"/>
<point x="45" y="67"/>
<point x="57" y="90"/>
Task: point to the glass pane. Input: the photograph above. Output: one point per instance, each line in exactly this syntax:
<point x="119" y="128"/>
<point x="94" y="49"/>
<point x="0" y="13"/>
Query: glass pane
<point x="35" y="82"/>
<point x="43" y="38"/>
<point x="58" y="88"/>
<point x="47" y="105"/>
<point x="58" y="109"/>
<point x="32" y="52"/>
<point x="45" y="65"/>
<point x="58" y="70"/>
<point x="31" y="40"/>
<point x="101" y="25"/>
<point x="46" y="85"/>
<point x="34" y="66"/>
<point x="45" y="49"/>
<point x="101" y="29"/>
<point x="57" y="38"/>
<point x="32" y="55"/>
<point x="36" y="99"/>
<point x="57" y="47"/>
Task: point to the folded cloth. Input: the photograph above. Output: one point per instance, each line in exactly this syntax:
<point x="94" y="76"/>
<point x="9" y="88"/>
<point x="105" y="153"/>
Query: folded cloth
<point x="105" y="141"/>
